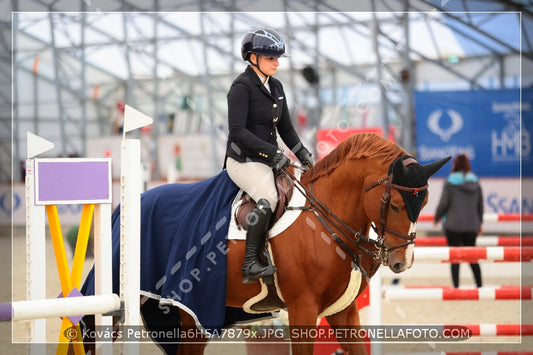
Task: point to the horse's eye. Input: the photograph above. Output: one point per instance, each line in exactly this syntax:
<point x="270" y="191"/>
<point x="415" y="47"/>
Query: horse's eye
<point x="394" y="208"/>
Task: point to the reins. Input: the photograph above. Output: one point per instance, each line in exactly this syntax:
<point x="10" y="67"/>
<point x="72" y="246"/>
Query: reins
<point x="325" y="215"/>
<point x="330" y="221"/>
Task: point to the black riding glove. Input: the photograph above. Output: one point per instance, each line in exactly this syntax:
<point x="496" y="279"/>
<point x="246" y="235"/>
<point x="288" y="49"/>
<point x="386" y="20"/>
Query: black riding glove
<point x="280" y="160"/>
<point x="305" y="157"/>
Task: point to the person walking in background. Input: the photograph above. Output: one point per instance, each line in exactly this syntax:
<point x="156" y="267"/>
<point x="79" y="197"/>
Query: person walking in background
<point x="461" y="210"/>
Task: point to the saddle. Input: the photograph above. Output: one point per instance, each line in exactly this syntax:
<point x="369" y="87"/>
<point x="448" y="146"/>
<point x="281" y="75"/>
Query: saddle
<point x="284" y="186"/>
<point x="268" y="299"/>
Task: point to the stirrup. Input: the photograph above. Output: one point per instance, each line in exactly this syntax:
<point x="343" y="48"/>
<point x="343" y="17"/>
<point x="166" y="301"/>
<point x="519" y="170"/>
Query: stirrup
<point x="248" y="277"/>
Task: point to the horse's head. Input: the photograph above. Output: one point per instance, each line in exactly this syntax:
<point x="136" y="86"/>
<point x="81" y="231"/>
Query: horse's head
<point x="394" y="208"/>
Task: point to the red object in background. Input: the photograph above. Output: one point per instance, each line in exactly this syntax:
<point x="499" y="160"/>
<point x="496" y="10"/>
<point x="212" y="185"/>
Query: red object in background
<point x="35" y="68"/>
<point x="146" y="129"/>
<point x="121" y="106"/>
<point x="96" y="92"/>
<point x="392" y="133"/>
<point x="328" y="139"/>
<point x="302" y="118"/>
<point x="363" y="299"/>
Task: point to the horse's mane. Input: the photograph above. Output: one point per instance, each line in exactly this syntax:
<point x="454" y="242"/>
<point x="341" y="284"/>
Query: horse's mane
<point x="358" y="146"/>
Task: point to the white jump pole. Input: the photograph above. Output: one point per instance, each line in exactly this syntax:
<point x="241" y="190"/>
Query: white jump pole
<point x="63" y="307"/>
<point x="130" y="222"/>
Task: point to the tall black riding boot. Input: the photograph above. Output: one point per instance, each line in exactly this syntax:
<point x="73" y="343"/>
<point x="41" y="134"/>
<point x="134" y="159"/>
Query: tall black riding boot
<point x="258" y="219"/>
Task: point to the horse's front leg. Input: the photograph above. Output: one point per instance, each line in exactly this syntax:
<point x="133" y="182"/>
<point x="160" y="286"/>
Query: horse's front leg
<point x="347" y="322"/>
<point x="302" y="321"/>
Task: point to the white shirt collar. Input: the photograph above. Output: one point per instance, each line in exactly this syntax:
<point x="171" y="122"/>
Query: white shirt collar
<point x="266" y="83"/>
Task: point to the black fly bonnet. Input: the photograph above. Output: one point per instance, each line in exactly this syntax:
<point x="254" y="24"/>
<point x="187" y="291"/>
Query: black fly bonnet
<point x="406" y="172"/>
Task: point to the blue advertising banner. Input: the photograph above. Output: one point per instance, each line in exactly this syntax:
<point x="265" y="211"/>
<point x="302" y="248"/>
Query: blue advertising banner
<point x="484" y="124"/>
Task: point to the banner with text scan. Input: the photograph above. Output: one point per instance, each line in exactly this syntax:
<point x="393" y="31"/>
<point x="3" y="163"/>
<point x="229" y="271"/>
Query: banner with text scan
<point x="487" y="125"/>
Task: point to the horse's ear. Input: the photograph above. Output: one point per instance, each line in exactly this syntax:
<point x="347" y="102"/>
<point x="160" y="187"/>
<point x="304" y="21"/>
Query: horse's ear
<point x="432" y="168"/>
<point x="399" y="170"/>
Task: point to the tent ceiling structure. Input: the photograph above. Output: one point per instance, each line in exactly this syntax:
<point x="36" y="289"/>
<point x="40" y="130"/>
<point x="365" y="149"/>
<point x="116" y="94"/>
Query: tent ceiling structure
<point x="72" y="66"/>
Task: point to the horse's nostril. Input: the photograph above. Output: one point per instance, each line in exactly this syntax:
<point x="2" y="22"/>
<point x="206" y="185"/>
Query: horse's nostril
<point x="397" y="267"/>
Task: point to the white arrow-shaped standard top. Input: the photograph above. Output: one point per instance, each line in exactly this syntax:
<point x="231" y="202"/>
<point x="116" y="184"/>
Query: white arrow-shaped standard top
<point x="134" y="119"/>
<point x="36" y="145"/>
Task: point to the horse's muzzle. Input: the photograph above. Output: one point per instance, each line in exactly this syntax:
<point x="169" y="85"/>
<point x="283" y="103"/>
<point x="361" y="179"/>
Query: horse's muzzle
<point x="401" y="260"/>
<point x="398" y="267"/>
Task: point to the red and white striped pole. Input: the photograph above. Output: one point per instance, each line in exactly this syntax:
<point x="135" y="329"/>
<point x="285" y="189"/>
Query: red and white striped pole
<point x="481" y="241"/>
<point x="397" y="293"/>
<point x="473" y="254"/>
<point x="465" y="353"/>
<point x="493" y="329"/>
<point x="489" y="217"/>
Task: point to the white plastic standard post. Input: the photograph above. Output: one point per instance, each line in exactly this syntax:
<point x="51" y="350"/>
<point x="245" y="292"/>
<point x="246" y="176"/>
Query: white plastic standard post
<point x="130" y="222"/>
<point x="130" y="234"/>
<point x="35" y="259"/>
<point x="374" y="316"/>
<point x="102" y="265"/>
<point x="35" y="242"/>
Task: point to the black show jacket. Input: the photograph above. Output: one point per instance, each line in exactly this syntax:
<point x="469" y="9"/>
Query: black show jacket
<point x="254" y="115"/>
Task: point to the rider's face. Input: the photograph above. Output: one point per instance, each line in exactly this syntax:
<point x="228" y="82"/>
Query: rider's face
<point x="268" y="65"/>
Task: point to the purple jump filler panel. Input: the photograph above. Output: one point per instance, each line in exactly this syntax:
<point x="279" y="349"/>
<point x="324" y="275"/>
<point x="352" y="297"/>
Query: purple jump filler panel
<point x="66" y="181"/>
<point x="6" y="312"/>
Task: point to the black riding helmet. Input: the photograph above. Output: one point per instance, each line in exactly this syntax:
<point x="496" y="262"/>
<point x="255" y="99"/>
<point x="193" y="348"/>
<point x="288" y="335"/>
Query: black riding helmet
<point x="262" y="41"/>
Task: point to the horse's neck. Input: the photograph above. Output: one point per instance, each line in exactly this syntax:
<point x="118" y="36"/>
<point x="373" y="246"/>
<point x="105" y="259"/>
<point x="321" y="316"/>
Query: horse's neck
<point x="342" y="192"/>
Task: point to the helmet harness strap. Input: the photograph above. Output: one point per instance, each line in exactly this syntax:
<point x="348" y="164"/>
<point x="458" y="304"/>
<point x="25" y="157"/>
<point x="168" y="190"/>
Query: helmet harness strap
<point x="257" y="65"/>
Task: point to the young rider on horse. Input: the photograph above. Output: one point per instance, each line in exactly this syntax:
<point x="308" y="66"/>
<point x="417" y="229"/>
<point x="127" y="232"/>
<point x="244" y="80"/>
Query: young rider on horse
<point x="257" y="108"/>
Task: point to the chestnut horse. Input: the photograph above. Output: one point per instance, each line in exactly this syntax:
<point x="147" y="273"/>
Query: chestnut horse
<point x="366" y="179"/>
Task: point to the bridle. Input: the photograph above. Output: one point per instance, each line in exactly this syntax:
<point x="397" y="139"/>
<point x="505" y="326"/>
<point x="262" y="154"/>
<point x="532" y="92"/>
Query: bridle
<point x="385" y="204"/>
<point x="330" y="221"/>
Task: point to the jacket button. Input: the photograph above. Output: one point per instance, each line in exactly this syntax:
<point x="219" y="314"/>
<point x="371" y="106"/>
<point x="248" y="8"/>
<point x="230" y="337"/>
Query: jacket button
<point x="275" y="105"/>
